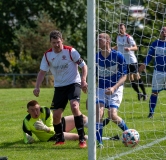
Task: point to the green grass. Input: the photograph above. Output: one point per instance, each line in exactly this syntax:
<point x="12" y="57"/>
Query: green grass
<point x="13" y="110"/>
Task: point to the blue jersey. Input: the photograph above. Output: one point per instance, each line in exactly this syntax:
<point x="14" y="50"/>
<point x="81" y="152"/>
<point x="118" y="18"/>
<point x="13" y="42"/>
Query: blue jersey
<point x="158" y="51"/>
<point x="110" y="69"/>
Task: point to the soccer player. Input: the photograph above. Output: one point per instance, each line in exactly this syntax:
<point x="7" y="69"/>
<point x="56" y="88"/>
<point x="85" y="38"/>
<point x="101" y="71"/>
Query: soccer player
<point x="112" y="73"/>
<point x="157" y="51"/>
<point x="126" y="45"/>
<point x="63" y="62"/>
<point x="39" y="122"/>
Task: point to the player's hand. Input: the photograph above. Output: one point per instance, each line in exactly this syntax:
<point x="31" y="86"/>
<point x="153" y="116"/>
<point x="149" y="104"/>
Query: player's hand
<point x="109" y="91"/>
<point x="36" y="92"/>
<point x="126" y="49"/>
<point x="142" y="68"/>
<point x="39" y="125"/>
<point x="84" y="86"/>
<point x="30" y="138"/>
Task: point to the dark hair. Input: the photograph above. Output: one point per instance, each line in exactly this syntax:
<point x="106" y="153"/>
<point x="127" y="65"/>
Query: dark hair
<point x="32" y="103"/>
<point x="55" y="34"/>
<point x="122" y="24"/>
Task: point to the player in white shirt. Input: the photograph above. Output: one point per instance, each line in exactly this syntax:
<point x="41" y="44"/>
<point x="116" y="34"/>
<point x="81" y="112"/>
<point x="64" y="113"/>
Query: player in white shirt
<point x="157" y="51"/>
<point x="126" y="45"/>
<point x="63" y="62"/>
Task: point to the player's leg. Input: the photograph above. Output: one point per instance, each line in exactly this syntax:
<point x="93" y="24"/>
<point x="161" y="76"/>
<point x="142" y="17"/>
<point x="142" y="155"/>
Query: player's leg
<point x="113" y="105"/>
<point x="133" y="69"/>
<point x="74" y="97"/>
<point x="100" y="104"/>
<point x="58" y="105"/>
<point x="158" y="84"/>
<point x="116" y="119"/>
<point x="141" y="84"/>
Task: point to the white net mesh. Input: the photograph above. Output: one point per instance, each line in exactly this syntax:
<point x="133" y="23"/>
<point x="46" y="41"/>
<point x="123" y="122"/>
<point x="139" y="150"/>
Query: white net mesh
<point x="144" y="20"/>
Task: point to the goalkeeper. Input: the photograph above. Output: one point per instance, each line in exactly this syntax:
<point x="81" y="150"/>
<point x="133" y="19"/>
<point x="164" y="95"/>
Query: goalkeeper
<point x="39" y="122"/>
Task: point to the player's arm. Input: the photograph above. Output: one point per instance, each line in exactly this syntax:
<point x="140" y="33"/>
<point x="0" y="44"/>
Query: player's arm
<point x="27" y="134"/>
<point x="81" y="63"/>
<point x="132" y="48"/>
<point x="49" y="120"/>
<point x="39" y="81"/>
<point x="47" y="124"/>
<point x="115" y="47"/>
<point x="148" y="58"/>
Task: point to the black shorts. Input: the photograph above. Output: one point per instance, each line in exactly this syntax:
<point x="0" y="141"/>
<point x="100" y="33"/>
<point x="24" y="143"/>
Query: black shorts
<point x="63" y="94"/>
<point x="132" y="68"/>
<point x="54" y="137"/>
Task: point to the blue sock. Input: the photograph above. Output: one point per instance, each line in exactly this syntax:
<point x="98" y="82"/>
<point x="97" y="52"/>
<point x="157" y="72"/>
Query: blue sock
<point x="123" y="125"/>
<point x="152" y="103"/>
<point x="99" y="132"/>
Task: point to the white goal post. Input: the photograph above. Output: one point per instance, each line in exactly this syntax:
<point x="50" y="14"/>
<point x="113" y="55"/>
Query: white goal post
<point x="143" y="20"/>
<point x="91" y="43"/>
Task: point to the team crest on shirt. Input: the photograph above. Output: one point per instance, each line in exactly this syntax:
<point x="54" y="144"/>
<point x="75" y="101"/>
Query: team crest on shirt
<point x="63" y="57"/>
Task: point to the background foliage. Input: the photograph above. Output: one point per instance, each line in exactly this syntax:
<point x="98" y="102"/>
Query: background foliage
<point x="26" y="24"/>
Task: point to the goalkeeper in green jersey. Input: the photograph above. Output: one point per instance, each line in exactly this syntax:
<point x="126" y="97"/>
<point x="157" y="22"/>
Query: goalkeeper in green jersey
<point x="39" y="122"/>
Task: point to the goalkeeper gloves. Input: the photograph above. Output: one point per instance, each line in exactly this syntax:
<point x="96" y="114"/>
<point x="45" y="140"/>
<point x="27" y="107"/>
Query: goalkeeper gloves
<point x="29" y="139"/>
<point x="39" y="125"/>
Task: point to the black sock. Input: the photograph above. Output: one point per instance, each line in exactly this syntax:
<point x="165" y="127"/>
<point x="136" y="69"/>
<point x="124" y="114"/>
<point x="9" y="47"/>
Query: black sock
<point x="135" y="86"/>
<point x="79" y="126"/>
<point x="59" y="131"/>
<point x="105" y="122"/>
<point x="141" y="85"/>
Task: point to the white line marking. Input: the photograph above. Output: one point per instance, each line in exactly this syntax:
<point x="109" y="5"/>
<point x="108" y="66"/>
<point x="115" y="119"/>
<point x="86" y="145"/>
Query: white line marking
<point x="137" y="149"/>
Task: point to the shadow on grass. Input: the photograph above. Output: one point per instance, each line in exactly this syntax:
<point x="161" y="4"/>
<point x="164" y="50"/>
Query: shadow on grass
<point x="37" y="145"/>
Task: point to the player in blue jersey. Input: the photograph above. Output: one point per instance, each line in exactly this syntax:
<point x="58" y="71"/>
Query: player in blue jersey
<point x="157" y="51"/>
<point x="111" y="73"/>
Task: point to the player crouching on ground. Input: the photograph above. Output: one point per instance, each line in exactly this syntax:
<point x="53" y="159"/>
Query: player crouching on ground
<point x="39" y="122"/>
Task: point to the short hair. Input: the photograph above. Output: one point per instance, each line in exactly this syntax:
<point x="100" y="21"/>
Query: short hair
<point x="106" y="36"/>
<point x="55" y="34"/>
<point x="122" y="24"/>
<point x="32" y="103"/>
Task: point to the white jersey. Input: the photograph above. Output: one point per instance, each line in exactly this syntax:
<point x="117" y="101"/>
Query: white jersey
<point x="126" y="41"/>
<point x="62" y="65"/>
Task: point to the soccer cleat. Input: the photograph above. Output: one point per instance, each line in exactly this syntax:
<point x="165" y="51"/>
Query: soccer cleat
<point x="59" y="143"/>
<point x="100" y="145"/>
<point x="115" y="138"/>
<point x="150" y="115"/>
<point x="140" y="95"/>
<point x="82" y="144"/>
<point x="145" y="97"/>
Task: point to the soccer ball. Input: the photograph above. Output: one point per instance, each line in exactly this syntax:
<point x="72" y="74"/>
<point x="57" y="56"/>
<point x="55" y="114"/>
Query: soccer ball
<point x="130" y="138"/>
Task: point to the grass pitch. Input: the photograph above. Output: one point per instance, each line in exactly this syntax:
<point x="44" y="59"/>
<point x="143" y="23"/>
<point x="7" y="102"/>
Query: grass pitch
<point x="152" y="132"/>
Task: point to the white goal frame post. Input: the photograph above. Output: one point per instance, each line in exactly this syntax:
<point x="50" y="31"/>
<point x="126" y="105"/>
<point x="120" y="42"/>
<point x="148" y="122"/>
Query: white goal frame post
<point x="145" y="29"/>
<point x="91" y="43"/>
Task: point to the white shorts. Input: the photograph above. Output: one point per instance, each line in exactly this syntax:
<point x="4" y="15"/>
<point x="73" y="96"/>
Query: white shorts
<point x="110" y="101"/>
<point x="158" y="81"/>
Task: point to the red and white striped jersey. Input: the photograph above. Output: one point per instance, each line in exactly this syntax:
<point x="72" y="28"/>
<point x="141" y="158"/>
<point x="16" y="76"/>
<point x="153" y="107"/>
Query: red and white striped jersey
<point x="62" y="65"/>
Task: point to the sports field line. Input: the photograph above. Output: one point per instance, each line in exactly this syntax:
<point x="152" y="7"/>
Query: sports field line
<point x="136" y="149"/>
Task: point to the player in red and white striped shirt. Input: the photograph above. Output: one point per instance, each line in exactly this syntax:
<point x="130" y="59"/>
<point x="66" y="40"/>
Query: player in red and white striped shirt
<point x="63" y="62"/>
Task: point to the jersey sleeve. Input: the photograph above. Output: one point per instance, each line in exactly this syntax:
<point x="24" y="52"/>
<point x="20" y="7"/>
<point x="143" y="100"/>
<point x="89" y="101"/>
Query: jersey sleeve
<point x="75" y="55"/>
<point x="132" y="41"/>
<point x="150" y="54"/>
<point x="26" y="130"/>
<point x="44" y="64"/>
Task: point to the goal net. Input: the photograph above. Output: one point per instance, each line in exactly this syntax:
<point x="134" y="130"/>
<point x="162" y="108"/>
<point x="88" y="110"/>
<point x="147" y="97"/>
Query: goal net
<point x="143" y="20"/>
